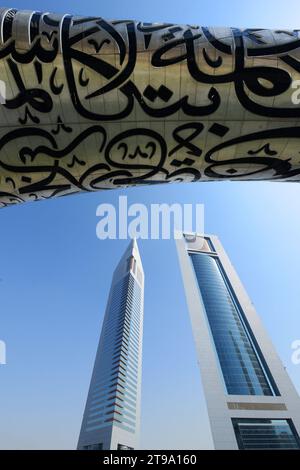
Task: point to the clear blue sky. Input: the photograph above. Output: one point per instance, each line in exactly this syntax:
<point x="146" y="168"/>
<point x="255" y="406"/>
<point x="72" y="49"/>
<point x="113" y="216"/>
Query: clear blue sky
<point x="55" y="275"/>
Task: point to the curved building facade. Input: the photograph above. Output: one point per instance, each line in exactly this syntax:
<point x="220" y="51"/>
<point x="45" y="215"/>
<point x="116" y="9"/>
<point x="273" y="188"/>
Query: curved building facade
<point x="90" y="104"/>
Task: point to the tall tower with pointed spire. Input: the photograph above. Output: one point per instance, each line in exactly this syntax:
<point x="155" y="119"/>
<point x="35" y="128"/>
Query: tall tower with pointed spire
<point x="111" y="418"/>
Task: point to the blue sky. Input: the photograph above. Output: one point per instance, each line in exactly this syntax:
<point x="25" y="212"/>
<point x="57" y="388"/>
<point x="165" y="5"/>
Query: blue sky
<point x="55" y="276"/>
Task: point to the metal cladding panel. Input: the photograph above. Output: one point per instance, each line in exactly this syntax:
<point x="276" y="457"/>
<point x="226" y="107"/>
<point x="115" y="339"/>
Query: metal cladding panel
<point x="89" y="104"/>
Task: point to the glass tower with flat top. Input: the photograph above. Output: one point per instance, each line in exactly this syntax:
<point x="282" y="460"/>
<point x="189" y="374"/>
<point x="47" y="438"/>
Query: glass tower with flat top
<point x="251" y="401"/>
<point x="111" y="418"/>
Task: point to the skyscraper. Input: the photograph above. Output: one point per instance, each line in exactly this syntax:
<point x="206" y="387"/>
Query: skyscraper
<point x="251" y="401"/>
<point x="111" y="418"/>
